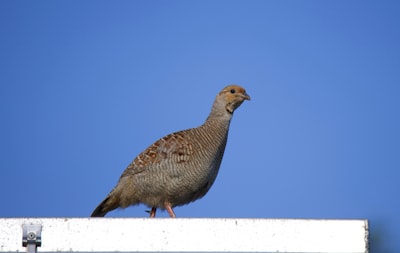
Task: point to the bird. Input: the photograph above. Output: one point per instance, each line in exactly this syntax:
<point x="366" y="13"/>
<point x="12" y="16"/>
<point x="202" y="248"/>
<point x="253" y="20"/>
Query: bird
<point x="180" y="167"/>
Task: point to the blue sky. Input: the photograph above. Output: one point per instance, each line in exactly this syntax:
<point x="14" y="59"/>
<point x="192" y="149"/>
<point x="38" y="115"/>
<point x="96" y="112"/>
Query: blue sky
<point x="86" y="86"/>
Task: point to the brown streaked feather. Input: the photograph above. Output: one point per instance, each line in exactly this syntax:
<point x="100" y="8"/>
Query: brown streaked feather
<point x="171" y="148"/>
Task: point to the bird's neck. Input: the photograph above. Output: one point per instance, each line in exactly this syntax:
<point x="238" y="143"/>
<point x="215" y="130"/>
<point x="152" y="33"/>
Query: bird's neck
<point x="219" y="120"/>
<point x="217" y="125"/>
<point x="219" y="112"/>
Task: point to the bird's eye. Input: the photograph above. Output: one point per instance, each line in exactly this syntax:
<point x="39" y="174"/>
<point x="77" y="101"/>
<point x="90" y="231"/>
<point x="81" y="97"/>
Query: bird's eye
<point x="233" y="91"/>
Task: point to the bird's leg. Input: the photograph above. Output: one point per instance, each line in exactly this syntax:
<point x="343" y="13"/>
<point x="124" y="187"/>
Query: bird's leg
<point x="153" y="212"/>
<point x="169" y="210"/>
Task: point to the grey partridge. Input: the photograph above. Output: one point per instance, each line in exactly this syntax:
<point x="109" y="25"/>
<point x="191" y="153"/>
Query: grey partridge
<point x="180" y="167"/>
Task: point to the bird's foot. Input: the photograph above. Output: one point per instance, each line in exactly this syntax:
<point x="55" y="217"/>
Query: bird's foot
<point x="169" y="210"/>
<point x="153" y="212"/>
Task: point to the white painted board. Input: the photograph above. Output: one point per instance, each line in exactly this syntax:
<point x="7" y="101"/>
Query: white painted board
<point x="188" y="235"/>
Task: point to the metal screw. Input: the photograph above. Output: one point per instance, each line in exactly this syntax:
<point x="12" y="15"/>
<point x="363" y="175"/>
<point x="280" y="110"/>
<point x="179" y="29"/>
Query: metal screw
<point x="31" y="236"/>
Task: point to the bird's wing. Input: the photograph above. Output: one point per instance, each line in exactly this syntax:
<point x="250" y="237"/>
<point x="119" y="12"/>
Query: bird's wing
<point x="172" y="149"/>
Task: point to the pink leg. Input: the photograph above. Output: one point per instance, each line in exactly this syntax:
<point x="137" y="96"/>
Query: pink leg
<point x="153" y="212"/>
<point x="169" y="210"/>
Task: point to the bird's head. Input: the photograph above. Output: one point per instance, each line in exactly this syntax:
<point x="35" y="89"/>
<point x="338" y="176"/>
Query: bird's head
<point x="227" y="101"/>
<point x="232" y="97"/>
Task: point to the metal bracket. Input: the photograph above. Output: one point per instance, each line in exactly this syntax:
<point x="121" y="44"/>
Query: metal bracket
<point x="32" y="237"/>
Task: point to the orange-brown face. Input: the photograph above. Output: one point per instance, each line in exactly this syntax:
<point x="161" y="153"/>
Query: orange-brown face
<point x="234" y="95"/>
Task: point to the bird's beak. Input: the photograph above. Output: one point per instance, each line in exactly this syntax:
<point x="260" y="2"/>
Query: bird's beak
<point x="246" y="96"/>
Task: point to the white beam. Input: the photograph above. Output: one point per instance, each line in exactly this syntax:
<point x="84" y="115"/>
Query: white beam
<point x="188" y="235"/>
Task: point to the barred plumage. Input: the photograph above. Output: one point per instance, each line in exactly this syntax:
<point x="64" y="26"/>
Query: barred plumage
<point x="180" y="167"/>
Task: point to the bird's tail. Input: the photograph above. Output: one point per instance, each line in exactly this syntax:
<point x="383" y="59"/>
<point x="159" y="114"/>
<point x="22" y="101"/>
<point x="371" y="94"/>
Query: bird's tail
<point x="108" y="204"/>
